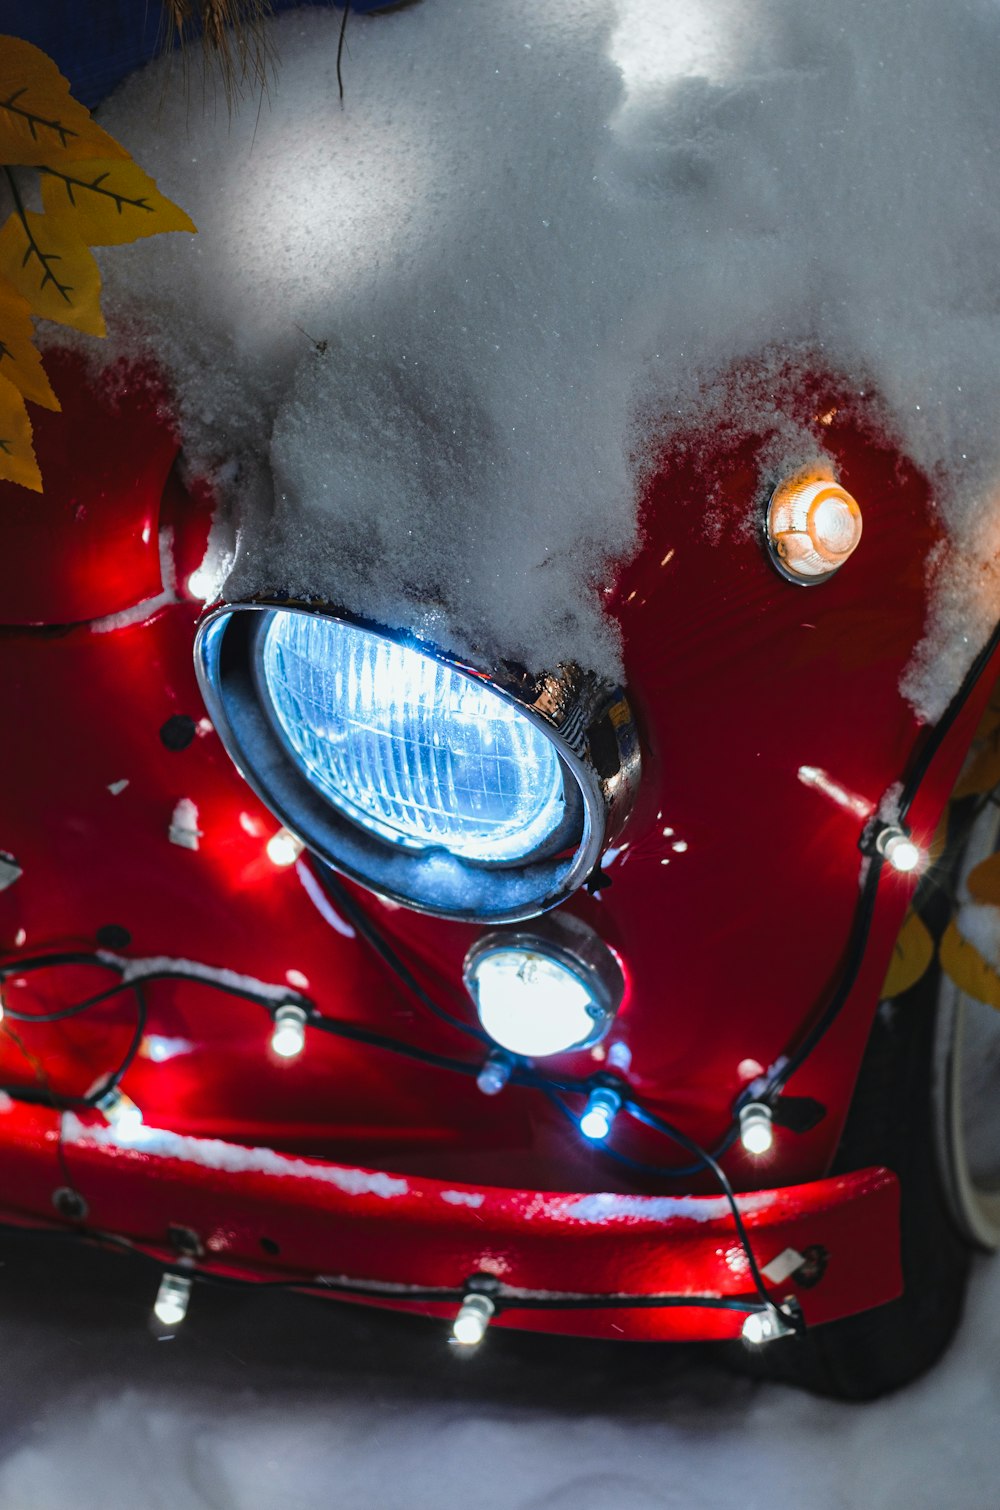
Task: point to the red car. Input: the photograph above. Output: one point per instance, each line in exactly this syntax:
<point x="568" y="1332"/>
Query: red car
<point x="333" y="961"/>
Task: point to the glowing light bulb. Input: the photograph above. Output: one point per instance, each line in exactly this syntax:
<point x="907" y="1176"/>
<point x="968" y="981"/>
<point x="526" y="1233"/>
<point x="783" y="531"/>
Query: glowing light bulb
<point x="121" y="1114"/>
<point x="899" y="849"/>
<point x="289" y="1036"/>
<point x="766" y="1326"/>
<point x="171" y="1304"/>
<point x="284" y="847"/>
<point x="494" y="1074"/>
<point x="813" y="526"/>
<point x="603" y="1105"/>
<point x="474" y="1315"/>
<point x="756" y="1128"/>
<point x="202" y="583"/>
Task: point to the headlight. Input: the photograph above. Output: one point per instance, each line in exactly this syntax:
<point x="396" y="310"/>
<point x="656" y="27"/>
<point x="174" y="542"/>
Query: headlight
<point x="406" y="746"/>
<point x="432" y="784"/>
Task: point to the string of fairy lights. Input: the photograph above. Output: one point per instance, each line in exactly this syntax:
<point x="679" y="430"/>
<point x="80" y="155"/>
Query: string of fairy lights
<point x="605" y="1096"/>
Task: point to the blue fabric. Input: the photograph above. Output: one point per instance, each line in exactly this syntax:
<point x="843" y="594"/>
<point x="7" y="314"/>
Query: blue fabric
<point x="97" y="44"/>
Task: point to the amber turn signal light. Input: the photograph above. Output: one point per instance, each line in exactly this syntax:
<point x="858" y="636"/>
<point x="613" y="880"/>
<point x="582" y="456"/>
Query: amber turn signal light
<point x="813" y="525"/>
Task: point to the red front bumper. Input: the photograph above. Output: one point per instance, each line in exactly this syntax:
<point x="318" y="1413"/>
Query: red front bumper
<point x="264" y="1216"/>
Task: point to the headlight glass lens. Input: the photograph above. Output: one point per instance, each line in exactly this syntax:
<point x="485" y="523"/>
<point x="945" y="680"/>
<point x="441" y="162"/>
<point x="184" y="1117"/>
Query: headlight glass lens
<point x="412" y="750"/>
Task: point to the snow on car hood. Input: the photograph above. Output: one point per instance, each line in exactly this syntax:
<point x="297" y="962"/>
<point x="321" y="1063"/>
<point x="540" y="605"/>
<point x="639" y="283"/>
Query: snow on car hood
<point x="421" y="338"/>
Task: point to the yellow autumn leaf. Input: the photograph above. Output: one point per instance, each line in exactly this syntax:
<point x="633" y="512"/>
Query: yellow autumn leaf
<point x="51" y="267"/>
<point x="911" y="956"/>
<point x="40" y="124"/>
<point x="966" y="967"/>
<point x="20" y="361"/>
<point x="17" y="455"/>
<point x="109" y="201"/>
<point x="983" y="881"/>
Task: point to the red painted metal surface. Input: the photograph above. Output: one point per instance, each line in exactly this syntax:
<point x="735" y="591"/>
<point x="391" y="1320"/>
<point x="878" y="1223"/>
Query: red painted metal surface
<point x="352" y="1225"/>
<point x="87" y="546"/>
<point x="732" y="897"/>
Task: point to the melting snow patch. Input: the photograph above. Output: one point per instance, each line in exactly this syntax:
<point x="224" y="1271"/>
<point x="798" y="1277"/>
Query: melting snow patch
<point x="321" y="901"/>
<point x="164" y="964"/>
<point x="184" y="829"/>
<point x="463" y="1197"/>
<point x="213" y="1153"/>
<point x="610" y="1207"/>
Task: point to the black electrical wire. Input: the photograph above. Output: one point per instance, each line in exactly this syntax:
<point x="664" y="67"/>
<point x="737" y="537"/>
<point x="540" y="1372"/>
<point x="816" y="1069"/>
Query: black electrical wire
<point x="946" y="722"/>
<point x="864" y="916"/>
<point x="44" y="1096"/>
<point x="504" y="1297"/>
<point x="522" y="1073"/>
<point x="372" y="935"/>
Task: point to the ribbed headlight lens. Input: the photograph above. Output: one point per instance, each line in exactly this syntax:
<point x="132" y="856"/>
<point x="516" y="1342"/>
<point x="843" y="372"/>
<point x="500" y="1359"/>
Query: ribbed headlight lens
<point x="489" y="798"/>
<point x="404" y="745"/>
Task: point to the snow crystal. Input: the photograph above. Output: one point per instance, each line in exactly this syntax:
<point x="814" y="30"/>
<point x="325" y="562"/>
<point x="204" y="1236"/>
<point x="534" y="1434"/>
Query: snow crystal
<point x="421" y="341"/>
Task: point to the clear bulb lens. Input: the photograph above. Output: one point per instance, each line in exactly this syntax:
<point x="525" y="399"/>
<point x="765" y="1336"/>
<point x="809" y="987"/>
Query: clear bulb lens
<point x="202" y="583"/>
<point x="494" y="1075"/>
<point x="765" y="1326"/>
<point x="813" y="526"/>
<point x="407" y="747"/>
<point x="902" y="854"/>
<point x="756" y="1129"/>
<point x="289" y="1036"/>
<point x="533" y="1004"/>
<point x="469" y="1326"/>
<point x="122" y="1115"/>
<point x="171" y="1304"/>
<point x="599" y="1114"/>
<point x="284" y="847"/>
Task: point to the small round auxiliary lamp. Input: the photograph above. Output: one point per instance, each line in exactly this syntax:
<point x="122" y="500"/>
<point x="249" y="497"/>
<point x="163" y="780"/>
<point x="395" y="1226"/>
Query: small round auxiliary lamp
<point x="813" y="525"/>
<point x="547" y="991"/>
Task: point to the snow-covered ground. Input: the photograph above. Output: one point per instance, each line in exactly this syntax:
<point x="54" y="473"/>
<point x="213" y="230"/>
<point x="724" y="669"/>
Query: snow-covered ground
<point x="273" y="1402"/>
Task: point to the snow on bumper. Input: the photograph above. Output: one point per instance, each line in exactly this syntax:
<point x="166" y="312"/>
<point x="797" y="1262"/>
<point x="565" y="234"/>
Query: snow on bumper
<point x="260" y="1215"/>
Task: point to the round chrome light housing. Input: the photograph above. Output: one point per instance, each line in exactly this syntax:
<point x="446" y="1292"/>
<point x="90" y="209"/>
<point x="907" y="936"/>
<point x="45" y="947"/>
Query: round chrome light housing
<point x="813" y="526"/>
<point x="544" y="992"/>
<point x="439" y="787"/>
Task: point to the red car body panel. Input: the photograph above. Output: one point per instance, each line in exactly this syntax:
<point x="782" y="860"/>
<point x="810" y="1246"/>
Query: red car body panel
<point x="340" y="1224"/>
<point x="772" y="726"/>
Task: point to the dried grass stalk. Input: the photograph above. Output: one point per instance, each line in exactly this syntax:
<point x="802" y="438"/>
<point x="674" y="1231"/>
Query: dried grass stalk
<point x="233" y="37"/>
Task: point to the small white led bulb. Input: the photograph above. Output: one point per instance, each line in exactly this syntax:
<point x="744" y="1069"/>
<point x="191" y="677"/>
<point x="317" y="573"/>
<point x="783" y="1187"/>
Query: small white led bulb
<point x="899" y="849"/>
<point x="756" y="1127"/>
<point x="121" y="1114"/>
<point x="474" y="1315"/>
<point x="766" y="1326"/>
<point x="284" y="847"/>
<point x="603" y="1105"/>
<point x="171" y="1304"/>
<point x="494" y="1074"/>
<point x="289" y="1036"/>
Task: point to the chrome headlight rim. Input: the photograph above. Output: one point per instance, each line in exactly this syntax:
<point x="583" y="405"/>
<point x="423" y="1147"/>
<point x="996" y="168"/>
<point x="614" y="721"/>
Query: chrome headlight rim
<point x="587" y="720"/>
